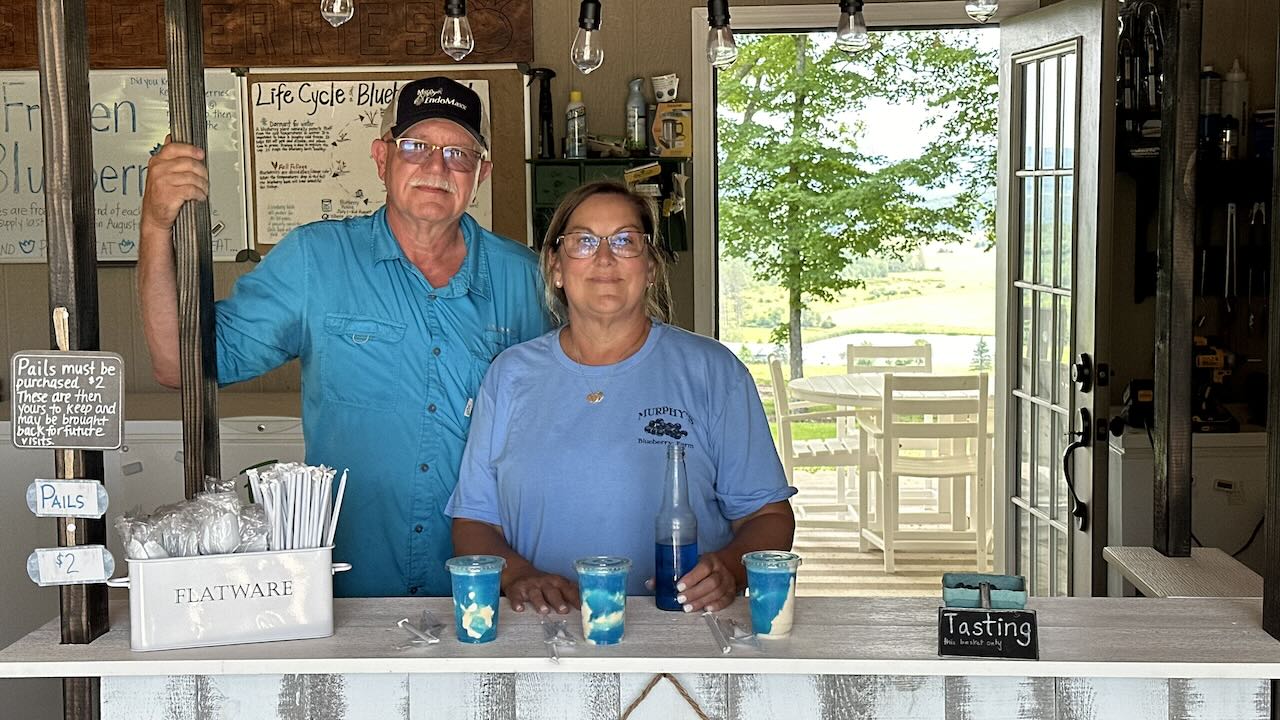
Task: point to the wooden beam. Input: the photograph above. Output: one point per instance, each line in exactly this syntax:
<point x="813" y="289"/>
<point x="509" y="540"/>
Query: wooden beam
<point x="73" y="284"/>
<point x="1271" y="571"/>
<point x="1175" y="252"/>
<point x="193" y="247"/>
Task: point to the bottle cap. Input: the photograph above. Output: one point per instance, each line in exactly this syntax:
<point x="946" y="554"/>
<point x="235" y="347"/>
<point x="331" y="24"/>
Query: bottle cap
<point x="575" y="96"/>
<point x="1236" y="73"/>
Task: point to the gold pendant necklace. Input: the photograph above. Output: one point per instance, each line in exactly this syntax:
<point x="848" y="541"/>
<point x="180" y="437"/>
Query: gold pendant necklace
<point x="594" y="397"/>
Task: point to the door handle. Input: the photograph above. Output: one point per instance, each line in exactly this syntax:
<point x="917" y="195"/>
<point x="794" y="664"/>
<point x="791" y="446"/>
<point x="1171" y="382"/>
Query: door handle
<point x="1082" y="372"/>
<point x="1082" y="438"/>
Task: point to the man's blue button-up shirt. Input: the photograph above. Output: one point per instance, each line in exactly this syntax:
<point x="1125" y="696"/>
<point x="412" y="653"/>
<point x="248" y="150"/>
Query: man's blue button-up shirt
<point x="390" y="370"/>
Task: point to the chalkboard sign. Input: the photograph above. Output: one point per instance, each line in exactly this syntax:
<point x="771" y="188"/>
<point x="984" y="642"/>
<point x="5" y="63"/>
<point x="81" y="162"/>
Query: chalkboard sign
<point x="69" y="400"/>
<point x="964" y="632"/>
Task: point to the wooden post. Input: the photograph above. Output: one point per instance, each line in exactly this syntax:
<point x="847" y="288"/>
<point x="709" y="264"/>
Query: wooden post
<point x="1174" y="284"/>
<point x="193" y="246"/>
<point x="73" y="288"/>
<point x="1271" y="573"/>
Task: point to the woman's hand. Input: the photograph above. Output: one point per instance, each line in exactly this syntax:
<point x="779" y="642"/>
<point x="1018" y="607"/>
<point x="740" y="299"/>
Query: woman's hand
<point x="710" y="585"/>
<point x="541" y="591"/>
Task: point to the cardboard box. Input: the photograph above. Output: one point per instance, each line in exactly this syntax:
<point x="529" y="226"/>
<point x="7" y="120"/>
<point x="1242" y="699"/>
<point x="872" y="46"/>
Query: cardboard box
<point x="673" y="129"/>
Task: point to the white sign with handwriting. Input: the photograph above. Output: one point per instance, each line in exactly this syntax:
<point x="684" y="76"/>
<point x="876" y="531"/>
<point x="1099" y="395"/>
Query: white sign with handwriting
<point x="77" y="565"/>
<point x="128" y="119"/>
<point x="67" y="498"/>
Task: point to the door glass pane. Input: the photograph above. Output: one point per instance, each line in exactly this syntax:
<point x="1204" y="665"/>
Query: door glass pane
<point x="1062" y="394"/>
<point x="1058" y="485"/>
<point x="1024" y="350"/>
<point x="1048" y="222"/>
<point x="1066" y="230"/>
<point x="1028" y="228"/>
<point x="1024" y="543"/>
<point x="1048" y="113"/>
<point x="1029" y="94"/>
<point x="1043" y="572"/>
<point x="1025" y="419"/>
<point x="1068" y="159"/>
<point x="1062" y="564"/>
<point x="1044" y="345"/>
<point x="1044" y="457"/>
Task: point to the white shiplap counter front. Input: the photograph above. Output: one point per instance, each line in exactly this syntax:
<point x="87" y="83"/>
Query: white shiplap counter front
<point x="1134" y="658"/>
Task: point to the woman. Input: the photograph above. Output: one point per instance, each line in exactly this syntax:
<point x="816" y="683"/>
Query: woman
<point x="567" y="451"/>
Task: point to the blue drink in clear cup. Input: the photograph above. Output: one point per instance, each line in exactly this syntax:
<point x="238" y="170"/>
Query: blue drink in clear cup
<point x="602" y="583"/>
<point x="476" y="589"/>
<point x="771" y="584"/>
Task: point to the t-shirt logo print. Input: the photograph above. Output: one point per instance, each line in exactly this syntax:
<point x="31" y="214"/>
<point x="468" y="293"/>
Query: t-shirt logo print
<point x="659" y="426"/>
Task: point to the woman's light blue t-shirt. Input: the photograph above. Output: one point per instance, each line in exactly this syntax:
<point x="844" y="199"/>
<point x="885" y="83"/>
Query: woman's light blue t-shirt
<point x="566" y="479"/>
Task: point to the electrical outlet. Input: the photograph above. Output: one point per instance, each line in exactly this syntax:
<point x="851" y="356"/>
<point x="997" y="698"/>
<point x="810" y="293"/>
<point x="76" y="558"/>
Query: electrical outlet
<point x="1223" y="485"/>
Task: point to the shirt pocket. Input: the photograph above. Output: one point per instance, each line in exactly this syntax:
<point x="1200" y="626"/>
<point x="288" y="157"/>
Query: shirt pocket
<point x="361" y="360"/>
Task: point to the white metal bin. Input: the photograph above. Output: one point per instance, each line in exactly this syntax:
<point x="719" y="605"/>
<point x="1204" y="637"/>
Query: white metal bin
<point x="228" y="599"/>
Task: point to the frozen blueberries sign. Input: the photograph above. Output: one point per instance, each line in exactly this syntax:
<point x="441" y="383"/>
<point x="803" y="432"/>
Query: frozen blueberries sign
<point x="71" y="400"/>
<point x="964" y="632"/>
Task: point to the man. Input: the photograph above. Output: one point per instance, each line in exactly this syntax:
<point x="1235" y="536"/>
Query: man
<point x="395" y="316"/>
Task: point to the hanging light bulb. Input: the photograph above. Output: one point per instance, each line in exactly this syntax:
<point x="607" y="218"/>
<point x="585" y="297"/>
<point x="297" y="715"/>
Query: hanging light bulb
<point x="721" y="49"/>
<point x="587" y="52"/>
<point x="981" y="10"/>
<point x="337" y="12"/>
<point x="851" y="32"/>
<point x="455" y="37"/>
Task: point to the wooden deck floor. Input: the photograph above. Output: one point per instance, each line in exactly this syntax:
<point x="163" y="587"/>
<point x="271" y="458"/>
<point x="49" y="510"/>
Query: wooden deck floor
<point x="833" y="566"/>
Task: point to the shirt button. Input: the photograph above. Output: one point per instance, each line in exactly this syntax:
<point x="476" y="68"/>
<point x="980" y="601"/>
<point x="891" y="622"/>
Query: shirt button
<point x="431" y="407"/>
<point x="424" y="467"/>
<point x="435" y="351"/>
<point x="417" y="528"/>
<point x="432" y="296"/>
<point x="413" y="590"/>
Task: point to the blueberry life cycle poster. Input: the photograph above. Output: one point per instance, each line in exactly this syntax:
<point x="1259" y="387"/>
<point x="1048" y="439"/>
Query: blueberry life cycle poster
<point x="129" y="118"/>
<point x="310" y="149"/>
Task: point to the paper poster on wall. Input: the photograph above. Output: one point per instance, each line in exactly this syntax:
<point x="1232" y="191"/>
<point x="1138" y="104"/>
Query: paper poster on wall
<point x="311" y="159"/>
<point x="129" y="120"/>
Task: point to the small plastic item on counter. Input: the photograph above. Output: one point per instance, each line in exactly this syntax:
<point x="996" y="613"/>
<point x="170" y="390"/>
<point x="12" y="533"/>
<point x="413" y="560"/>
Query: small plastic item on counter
<point x="138" y="536"/>
<point x="177" y="529"/>
<point x="771" y="584"/>
<point x="555" y="633"/>
<point x="218" y="514"/>
<point x="717" y="632"/>
<point x="297" y="502"/>
<point x="253" y="529"/>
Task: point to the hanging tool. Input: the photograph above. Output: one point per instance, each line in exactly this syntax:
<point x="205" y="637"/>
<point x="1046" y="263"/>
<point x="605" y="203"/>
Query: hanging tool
<point x="1257" y="240"/>
<point x="546" y="131"/>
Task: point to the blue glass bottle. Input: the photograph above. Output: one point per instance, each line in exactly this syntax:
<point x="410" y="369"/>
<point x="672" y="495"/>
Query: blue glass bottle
<point x="676" y="532"/>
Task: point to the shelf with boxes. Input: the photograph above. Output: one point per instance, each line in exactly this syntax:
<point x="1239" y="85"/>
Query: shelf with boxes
<point x="552" y="179"/>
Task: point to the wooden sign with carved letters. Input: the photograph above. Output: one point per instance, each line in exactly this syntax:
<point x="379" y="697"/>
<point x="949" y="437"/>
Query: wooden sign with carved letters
<point x="281" y="33"/>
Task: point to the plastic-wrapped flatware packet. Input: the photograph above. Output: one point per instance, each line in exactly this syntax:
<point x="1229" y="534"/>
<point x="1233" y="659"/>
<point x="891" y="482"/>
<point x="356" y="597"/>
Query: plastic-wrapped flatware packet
<point x="555" y="633"/>
<point x="426" y="633"/>
<point x="726" y="632"/>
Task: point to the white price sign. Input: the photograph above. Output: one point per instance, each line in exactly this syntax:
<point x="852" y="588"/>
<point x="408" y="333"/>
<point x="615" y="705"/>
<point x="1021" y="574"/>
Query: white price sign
<point x="67" y="498"/>
<point x="78" y="565"/>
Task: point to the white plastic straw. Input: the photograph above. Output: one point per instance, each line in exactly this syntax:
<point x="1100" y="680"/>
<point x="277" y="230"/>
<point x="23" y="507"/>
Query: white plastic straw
<point x="337" y="509"/>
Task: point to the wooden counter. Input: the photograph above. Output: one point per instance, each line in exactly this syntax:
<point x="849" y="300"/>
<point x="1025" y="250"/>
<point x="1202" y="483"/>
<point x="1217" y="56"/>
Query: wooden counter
<point x="1150" y="658"/>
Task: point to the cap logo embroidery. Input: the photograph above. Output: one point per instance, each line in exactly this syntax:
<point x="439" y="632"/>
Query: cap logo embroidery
<point x="435" y="96"/>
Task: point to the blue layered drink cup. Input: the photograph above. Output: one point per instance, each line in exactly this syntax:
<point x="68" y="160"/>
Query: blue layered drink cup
<point x="476" y="589"/>
<point x="771" y="585"/>
<point x="602" y="583"/>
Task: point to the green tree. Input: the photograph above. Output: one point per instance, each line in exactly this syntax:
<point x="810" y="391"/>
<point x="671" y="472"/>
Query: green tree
<point x="801" y="201"/>
<point x="981" y="360"/>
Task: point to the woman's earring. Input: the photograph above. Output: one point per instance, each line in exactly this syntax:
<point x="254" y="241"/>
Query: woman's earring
<point x="559" y="284"/>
